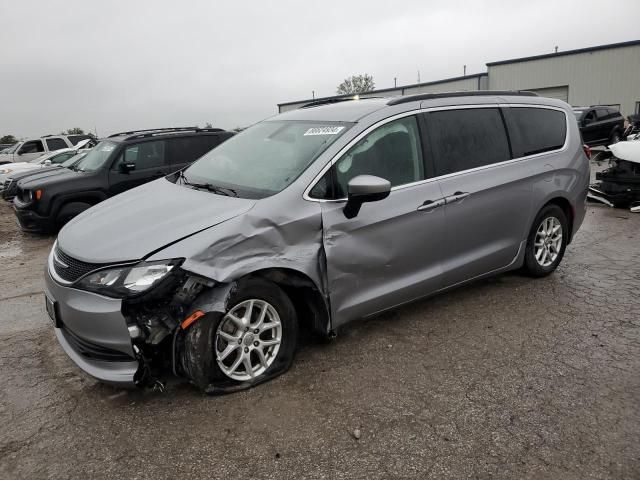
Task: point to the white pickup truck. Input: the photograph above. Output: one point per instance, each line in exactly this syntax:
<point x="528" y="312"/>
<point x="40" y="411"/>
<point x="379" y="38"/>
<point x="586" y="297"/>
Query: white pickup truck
<point x="33" y="148"/>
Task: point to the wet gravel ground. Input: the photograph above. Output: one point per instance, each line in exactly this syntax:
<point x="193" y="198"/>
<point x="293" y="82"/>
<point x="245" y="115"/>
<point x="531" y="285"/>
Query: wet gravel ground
<point x="507" y="378"/>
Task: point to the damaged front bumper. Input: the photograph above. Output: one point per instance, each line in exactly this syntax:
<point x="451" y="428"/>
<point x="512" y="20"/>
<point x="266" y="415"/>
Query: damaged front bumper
<point x="119" y="373"/>
<point x="93" y="333"/>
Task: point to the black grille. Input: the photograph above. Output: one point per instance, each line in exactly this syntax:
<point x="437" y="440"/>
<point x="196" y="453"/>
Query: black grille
<point x="91" y="350"/>
<point x="72" y="269"/>
<point x="9" y="190"/>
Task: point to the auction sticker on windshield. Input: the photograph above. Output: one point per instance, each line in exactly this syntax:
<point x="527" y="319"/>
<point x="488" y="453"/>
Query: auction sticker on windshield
<point x="323" y="131"/>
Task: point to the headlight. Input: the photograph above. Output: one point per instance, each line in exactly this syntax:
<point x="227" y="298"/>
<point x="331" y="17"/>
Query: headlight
<point x="128" y="280"/>
<point x="35" y="194"/>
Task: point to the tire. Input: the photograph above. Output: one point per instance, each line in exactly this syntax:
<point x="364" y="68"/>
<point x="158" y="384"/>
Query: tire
<point x="615" y="137"/>
<point x="203" y="341"/>
<point x="70" y="210"/>
<point x="548" y="263"/>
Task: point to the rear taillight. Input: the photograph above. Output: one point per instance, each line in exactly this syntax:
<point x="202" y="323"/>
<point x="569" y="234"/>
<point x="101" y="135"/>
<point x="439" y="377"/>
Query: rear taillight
<point x="587" y="150"/>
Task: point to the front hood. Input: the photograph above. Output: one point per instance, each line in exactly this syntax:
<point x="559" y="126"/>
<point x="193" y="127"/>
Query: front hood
<point x="134" y="224"/>
<point x="33" y="174"/>
<point x="629" y="150"/>
<point x="18" y="166"/>
<point x="64" y="174"/>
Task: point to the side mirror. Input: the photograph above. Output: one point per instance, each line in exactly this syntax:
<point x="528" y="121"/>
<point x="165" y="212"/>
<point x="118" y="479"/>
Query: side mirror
<point x="365" y="188"/>
<point x="47" y="163"/>
<point x="127" y="167"/>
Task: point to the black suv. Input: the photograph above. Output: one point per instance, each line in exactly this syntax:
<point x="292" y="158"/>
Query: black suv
<point x="599" y="124"/>
<point x="118" y="163"/>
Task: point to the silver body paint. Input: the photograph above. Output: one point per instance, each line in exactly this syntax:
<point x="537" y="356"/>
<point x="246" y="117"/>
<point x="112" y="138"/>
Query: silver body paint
<point x="391" y="253"/>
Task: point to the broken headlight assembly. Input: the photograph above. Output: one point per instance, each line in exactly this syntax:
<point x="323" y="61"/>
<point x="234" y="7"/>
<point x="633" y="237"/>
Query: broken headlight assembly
<point x="129" y="280"/>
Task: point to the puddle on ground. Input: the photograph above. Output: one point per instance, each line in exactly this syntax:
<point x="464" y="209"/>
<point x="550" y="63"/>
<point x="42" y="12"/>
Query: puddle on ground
<point x="10" y="249"/>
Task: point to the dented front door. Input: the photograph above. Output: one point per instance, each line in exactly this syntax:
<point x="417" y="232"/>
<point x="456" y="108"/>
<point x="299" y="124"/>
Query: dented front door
<point x="388" y="255"/>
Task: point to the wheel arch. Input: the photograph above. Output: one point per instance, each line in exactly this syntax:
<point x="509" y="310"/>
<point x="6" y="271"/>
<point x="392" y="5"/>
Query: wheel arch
<point x="566" y="207"/>
<point x="312" y="307"/>
<point x="90" y="198"/>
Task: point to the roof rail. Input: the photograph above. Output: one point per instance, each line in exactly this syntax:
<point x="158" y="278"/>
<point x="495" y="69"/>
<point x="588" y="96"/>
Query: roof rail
<point x="152" y="131"/>
<point x="475" y="93"/>
<point x="328" y="101"/>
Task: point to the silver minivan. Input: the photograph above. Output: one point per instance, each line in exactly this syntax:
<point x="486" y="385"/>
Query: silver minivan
<point x="313" y="218"/>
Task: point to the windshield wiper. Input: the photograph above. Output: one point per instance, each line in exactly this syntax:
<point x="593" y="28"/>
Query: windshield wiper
<point x="229" y="192"/>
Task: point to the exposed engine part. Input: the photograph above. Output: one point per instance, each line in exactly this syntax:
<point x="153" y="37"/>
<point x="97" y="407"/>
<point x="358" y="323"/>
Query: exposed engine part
<point x="190" y="290"/>
<point x="154" y="320"/>
<point x="596" y="195"/>
<point x="134" y="331"/>
<point x="620" y="183"/>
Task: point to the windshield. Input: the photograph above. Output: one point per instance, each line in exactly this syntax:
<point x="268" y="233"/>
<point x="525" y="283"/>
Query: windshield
<point x="97" y="157"/>
<point x="13" y="149"/>
<point x="73" y="160"/>
<point x="265" y="158"/>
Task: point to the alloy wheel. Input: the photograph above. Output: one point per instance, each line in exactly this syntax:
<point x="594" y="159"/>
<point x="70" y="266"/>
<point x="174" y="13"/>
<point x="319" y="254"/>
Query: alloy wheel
<point x="548" y="241"/>
<point x="248" y="339"/>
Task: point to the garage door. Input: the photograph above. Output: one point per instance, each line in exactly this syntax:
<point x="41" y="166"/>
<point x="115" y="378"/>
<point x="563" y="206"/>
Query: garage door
<point x="561" y="93"/>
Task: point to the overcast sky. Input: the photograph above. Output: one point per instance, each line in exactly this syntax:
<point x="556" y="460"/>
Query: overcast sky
<point x="123" y="65"/>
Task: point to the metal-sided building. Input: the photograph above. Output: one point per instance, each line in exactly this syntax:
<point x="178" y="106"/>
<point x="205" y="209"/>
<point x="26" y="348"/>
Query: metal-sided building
<point x="601" y="75"/>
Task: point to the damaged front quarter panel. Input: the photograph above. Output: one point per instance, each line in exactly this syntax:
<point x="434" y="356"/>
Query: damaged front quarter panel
<point x="257" y="241"/>
<point x="285" y="248"/>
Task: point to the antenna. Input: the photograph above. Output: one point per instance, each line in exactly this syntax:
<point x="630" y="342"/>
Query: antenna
<point x="464" y="70"/>
<point x="395" y="82"/>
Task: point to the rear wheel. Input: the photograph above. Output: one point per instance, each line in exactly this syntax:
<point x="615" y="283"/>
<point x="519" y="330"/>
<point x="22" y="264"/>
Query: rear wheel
<point x="252" y="342"/>
<point x="615" y="137"/>
<point x="546" y="242"/>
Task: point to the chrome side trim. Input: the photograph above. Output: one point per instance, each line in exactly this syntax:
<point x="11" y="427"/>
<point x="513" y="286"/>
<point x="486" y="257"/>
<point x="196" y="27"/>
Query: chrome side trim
<point x="376" y="125"/>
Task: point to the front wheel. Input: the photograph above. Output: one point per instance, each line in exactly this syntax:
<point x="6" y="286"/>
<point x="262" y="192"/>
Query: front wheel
<point x="252" y="342"/>
<point x="546" y="242"/>
<point x="69" y="211"/>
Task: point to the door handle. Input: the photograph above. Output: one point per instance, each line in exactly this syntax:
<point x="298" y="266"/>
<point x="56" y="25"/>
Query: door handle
<point x="430" y="205"/>
<point x="456" y="197"/>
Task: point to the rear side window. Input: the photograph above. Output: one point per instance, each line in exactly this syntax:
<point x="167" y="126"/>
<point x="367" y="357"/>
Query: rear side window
<point x="536" y="130"/>
<point x="467" y="138"/>
<point x="188" y="149"/>
<point x="56" y="144"/>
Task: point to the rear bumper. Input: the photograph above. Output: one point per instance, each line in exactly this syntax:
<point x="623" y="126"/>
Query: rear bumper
<point x="93" y="332"/>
